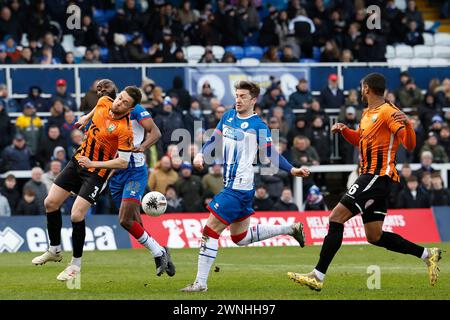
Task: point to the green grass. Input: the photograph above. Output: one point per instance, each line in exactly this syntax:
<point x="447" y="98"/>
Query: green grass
<point x="245" y="273"/>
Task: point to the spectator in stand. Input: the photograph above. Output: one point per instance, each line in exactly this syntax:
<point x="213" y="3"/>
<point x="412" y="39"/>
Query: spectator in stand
<point x="396" y="188"/>
<point x="352" y="101"/>
<point x="438" y="151"/>
<point x="59" y="154"/>
<point x="48" y="144"/>
<point x="302" y="153"/>
<point x="426" y="162"/>
<point x="88" y="34"/>
<point x="5" y="210"/>
<point x="352" y="40"/>
<point x="168" y="120"/>
<point x="213" y="180"/>
<point x="439" y="196"/>
<point x="162" y="176"/>
<point x="331" y="96"/>
<point x="9" y="24"/>
<point x="228" y="57"/>
<point x="288" y="55"/>
<point x="38" y="21"/>
<point x="206" y="95"/>
<point x="413" y="36"/>
<point x="315" y="110"/>
<point x="89" y="57"/>
<point x="26" y="56"/>
<point x="330" y="52"/>
<point x="428" y="109"/>
<point x="30" y="126"/>
<point x="11" y="48"/>
<point x="302" y="97"/>
<point x="300" y="129"/>
<point x="28" y="205"/>
<point x="184" y="96"/>
<point x="395" y="22"/>
<point x="271" y="55"/>
<point x="314" y="199"/>
<point x="186" y="14"/>
<point x="346" y="56"/>
<point x="270" y="97"/>
<point x="117" y="50"/>
<point x="17" y="156"/>
<point x="444" y="139"/>
<point x="213" y="119"/>
<point x="286" y="201"/>
<point x="413" y="196"/>
<point x="57" y="111"/>
<point x="443" y="94"/>
<point x="348" y="152"/>
<point x="6" y="127"/>
<point x="147" y="87"/>
<point x="179" y="56"/>
<point x="136" y="49"/>
<point x="373" y="49"/>
<point x="410" y="96"/>
<point x="90" y="99"/>
<point x="76" y="139"/>
<point x="189" y="188"/>
<point x="68" y="125"/>
<point x="174" y="203"/>
<point x="49" y="177"/>
<point x="412" y="14"/>
<point x="62" y="94"/>
<point x="194" y="119"/>
<point x="10" y="191"/>
<point x="262" y="201"/>
<point x="47" y="56"/>
<point x="69" y="58"/>
<point x="38" y="187"/>
<point x="285" y="121"/>
<point x="9" y="104"/>
<point x="208" y="57"/>
<point x="425" y="182"/>
<point x="35" y="98"/>
<point x="4" y="59"/>
<point x="320" y="139"/>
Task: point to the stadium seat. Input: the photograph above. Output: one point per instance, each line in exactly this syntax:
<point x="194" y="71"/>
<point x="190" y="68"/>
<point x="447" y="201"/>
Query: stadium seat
<point x="399" y="61"/>
<point x="438" y="62"/>
<point x="307" y="60"/>
<point x="442" y="39"/>
<point x="428" y="39"/>
<point x="194" y="52"/>
<point x="419" y="62"/>
<point x="401" y="4"/>
<point x="441" y="52"/>
<point x="403" y="51"/>
<point x="248" y="62"/>
<point x="104" y="54"/>
<point x="237" y="51"/>
<point x="68" y="42"/>
<point x="79" y="52"/>
<point x="253" y="52"/>
<point x="390" y="52"/>
<point x="24" y="40"/>
<point x="421" y="51"/>
<point x="218" y="52"/>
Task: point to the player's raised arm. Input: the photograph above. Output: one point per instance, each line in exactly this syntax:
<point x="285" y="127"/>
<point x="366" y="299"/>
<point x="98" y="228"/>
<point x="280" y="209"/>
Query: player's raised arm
<point x="153" y="132"/>
<point x="398" y="122"/>
<point x="352" y="136"/>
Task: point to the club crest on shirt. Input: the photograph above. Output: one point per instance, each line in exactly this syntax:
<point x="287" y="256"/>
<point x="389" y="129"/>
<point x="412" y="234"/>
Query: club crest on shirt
<point x="374" y="118"/>
<point x="244" y="125"/>
<point x="111" y="127"/>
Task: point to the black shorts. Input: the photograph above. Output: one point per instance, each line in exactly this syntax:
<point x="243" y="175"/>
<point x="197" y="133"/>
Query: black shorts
<point x="368" y="196"/>
<point x="76" y="179"/>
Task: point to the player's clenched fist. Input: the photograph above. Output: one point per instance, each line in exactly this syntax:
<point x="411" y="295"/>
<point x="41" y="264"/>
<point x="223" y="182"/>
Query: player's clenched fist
<point x="338" y="127"/>
<point x="198" y="161"/>
<point x="85" y="162"/>
<point x="300" y="172"/>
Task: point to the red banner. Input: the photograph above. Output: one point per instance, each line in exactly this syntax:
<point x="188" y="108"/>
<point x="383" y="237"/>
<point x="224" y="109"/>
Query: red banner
<point x="185" y="230"/>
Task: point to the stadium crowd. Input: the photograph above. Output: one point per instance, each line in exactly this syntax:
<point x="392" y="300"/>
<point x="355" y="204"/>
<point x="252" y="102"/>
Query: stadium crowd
<point x="146" y="31"/>
<point x="45" y="145"/>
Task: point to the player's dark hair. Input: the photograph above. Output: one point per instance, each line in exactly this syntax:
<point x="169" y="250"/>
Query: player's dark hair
<point x="134" y="93"/>
<point x="376" y="82"/>
<point x="248" y="85"/>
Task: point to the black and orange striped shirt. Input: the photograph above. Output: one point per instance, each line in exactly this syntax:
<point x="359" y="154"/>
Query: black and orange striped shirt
<point x="378" y="141"/>
<point x="106" y="136"/>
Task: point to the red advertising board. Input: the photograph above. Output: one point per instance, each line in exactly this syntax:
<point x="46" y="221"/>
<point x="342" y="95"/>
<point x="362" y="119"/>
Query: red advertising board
<point x="185" y="230"/>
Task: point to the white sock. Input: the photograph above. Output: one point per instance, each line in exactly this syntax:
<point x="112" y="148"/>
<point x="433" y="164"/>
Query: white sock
<point x="76" y="262"/>
<point x="147" y="241"/>
<point x="55" y="249"/>
<point x="261" y="232"/>
<point x="424" y="254"/>
<point x="319" y="274"/>
<point x="206" y="257"/>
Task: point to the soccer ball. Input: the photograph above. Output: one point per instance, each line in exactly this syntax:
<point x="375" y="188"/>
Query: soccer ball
<point x="154" y="204"/>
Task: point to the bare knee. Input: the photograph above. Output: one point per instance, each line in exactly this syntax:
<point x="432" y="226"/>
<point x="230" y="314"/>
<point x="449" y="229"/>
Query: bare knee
<point x="126" y="223"/>
<point x="127" y="214"/>
<point x="51" y="204"/>
<point x="373" y="237"/>
<point x="77" y="215"/>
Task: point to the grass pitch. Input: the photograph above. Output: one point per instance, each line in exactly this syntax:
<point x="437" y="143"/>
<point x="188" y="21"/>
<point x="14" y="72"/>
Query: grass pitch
<point x="244" y="273"/>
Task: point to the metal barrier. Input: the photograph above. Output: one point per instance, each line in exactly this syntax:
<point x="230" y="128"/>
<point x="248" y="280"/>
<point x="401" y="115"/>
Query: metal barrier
<point x="298" y="182"/>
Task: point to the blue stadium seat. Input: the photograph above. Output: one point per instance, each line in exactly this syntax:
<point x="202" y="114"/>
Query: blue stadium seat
<point x="316" y="53"/>
<point x="307" y="60"/>
<point x="103" y="16"/>
<point x="253" y="52"/>
<point x="237" y="51"/>
<point x="104" y="55"/>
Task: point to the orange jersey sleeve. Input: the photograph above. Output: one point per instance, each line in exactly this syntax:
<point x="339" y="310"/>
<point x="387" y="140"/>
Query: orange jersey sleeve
<point x="387" y="112"/>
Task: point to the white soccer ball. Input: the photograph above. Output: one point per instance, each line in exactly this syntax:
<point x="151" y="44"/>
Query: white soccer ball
<point x="154" y="203"/>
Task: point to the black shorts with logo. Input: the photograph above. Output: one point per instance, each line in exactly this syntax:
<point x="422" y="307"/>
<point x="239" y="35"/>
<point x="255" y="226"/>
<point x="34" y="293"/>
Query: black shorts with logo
<point x="76" y="179"/>
<point x="368" y="196"/>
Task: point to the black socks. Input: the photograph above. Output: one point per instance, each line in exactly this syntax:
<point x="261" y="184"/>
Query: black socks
<point x="396" y="243"/>
<point x="331" y="245"/>
<point x="78" y="236"/>
<point x="54" y="225"/>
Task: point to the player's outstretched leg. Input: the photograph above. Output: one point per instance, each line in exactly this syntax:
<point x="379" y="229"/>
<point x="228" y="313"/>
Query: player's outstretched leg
<point x="206" y="258"/>
<point x="130" y="220"/>
<point x="261" y="232"/>
<point x="394" y="242"/>
<point x="52" y="203"/>
<point x="331" y="244"/>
